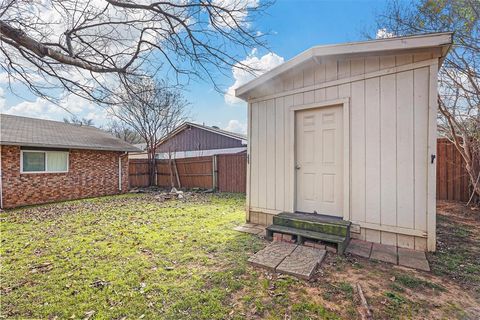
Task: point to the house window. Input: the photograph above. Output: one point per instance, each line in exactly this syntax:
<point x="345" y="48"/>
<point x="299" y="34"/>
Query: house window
<point x="35" y="161"/>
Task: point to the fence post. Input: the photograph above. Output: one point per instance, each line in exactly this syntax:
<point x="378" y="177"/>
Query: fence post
<point x="155" y="170"/>
<point x="214" y="173"/>
<point x="176" y="173"/>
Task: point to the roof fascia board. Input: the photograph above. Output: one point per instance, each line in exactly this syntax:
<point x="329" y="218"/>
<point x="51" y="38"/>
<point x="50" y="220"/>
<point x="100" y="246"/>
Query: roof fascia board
<point x="389" y="44"/>
<point x="60" y="146"/>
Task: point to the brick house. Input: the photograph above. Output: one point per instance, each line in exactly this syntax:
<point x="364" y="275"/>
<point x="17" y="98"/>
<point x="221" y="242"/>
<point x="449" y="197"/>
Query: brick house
<point x="45" y="161"/>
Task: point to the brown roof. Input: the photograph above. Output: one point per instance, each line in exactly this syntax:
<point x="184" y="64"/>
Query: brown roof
<point x="30" y="132"/>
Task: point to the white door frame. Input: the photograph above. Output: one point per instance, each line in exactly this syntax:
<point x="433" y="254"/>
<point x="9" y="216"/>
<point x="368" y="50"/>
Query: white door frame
<point x="345" y="103"/>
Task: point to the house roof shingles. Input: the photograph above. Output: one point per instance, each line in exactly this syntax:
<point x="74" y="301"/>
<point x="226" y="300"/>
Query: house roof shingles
<point x="30" y="132"/>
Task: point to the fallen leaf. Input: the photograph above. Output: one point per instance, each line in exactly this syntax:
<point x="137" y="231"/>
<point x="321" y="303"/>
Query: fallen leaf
<point x="89" y="314"/>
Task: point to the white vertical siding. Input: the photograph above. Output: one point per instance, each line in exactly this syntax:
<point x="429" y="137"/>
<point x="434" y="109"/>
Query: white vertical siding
<point x="420" y="79"/>
<point x="388" y="150"/>
<point x="279" y="154"/>
<point x="372" y="148"/>
<point x="357" y="147"/>
<point x="432" y="149"/>
<point x="405" y="151"/>
<point x="271" y="156"/>
<point x="254" y="155"/>
<point x="262" y="154"/>
<point x="289" y="157"/>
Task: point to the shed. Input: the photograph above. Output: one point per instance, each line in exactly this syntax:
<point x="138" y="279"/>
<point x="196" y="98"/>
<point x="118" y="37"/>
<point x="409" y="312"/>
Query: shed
<point x="349" y="131"/>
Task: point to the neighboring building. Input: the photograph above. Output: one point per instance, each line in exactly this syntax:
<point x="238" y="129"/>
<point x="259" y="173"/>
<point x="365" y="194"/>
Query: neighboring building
<point x="195" y="140"/>
<point x="349" y="131"/>
<point x="141" y="154"/>
<point x="45" y="161"/>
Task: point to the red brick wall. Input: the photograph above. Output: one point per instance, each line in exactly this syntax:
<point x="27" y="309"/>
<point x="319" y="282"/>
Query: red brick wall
<point x="91" y="173"/>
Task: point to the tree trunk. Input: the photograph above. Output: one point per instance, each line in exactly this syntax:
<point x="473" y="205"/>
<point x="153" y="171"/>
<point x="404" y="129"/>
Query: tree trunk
<point x="151" y="165"/>
<point x="172" y="183"/>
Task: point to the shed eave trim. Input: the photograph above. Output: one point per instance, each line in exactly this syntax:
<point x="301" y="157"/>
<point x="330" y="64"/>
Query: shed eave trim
<point x="443" y="40"/>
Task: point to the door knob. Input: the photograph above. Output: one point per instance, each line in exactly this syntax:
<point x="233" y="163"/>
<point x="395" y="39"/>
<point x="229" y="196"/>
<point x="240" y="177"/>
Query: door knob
<point x="297" y="166"/>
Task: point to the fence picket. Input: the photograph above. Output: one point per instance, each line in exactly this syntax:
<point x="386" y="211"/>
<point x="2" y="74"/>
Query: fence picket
<point x="452" y="177"/>
<point x="195" y="173"/>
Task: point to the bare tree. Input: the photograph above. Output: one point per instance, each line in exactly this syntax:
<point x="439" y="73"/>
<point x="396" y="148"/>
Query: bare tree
<point x="459" y="84"/>
<point x="89" y="48"/>
<point x="151" y="108"/>
<point x="123" y="131"/>
<point x="79" y="122"/>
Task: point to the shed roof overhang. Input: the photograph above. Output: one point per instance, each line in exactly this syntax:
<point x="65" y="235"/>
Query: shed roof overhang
<point x="441" y="40"/>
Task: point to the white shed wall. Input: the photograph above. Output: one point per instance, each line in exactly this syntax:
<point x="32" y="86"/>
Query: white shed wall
<point x="390" y="137"/>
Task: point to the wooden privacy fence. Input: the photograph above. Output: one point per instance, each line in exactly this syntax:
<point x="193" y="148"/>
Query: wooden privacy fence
<point x="232" y="172"/>
<point x="138" y="173"/>
<point x="227" y="173"/>
<point x="452" y="177"/>
<point x="224" y="173"/>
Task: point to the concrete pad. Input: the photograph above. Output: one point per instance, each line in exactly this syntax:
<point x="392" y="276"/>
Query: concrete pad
<point x="413" y="259"/>
<point x="248" y="230"/>
<point x="272" y="255"/>
<point x="302" y="262"/>
<point x="385" y="253"/>
<point x="359" y="248"/>
<point x="253" y="225"/>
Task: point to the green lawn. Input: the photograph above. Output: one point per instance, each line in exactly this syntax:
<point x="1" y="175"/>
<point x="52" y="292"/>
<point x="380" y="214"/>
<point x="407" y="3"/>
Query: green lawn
<point x="132" y="256"/>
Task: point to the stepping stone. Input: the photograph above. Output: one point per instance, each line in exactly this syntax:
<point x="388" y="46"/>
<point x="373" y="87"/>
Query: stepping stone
<point x="359" y="248"/>
<point x="385" y="253"/>
<point x="413" y="259"/>
<point x="248" y="230"/>
<point x="302" y="262"/>
<point x="272" y="255"/>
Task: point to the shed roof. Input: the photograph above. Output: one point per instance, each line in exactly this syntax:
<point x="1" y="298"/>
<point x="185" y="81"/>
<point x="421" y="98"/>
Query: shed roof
<point x="441" y="40"/>
<point x="31" y="132"/>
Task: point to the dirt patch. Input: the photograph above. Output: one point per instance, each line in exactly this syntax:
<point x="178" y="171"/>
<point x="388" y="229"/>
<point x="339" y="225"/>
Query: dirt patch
<point x="469" y="215"/>
<point x="458" y="246"/>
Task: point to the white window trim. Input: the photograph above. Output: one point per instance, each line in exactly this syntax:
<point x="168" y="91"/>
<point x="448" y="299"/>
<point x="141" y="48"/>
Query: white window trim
<point x="46" y="161"/>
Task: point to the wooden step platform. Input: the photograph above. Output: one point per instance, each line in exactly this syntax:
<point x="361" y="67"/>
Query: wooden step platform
<point x="312" y="226"/>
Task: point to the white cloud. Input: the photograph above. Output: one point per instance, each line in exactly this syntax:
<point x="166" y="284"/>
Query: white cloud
<point x="383" y="34"/>
<point x="237" y="12"/>
<point x="2" y="99"/>
<point x="39" y="108"/>
<point x="236" y="126"/>
<point x="3" y="77"/>
<point x="242" y="76"/>
<point x="44" y="109"/>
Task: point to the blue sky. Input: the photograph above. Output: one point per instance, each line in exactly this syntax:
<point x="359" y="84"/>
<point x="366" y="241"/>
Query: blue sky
<point x="293" y="27"/>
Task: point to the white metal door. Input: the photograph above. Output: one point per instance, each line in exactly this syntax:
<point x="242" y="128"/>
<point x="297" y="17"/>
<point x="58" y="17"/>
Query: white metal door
<point x="319" y="160"/>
